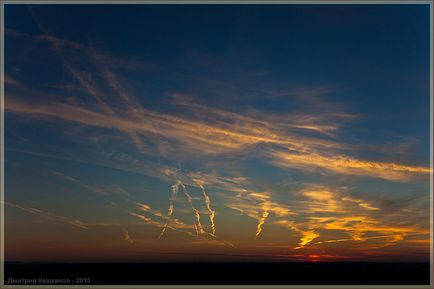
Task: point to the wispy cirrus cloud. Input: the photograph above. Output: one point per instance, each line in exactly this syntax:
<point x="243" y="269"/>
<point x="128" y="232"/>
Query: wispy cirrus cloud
<point x="162" y="219"/>
<point x="211" y="212"/>
<point x="325" y="200"/>
<point x="187" y="129"/>
<point x="259" y="206"/>
<point x="342" y="164"/>
<point x="95" y="189"/>
<point x="297" y="153"/>
<point x="180" y="227"/>
<point x="51" y="216"/>
<point x="332" y="211"/>
<point x="101" y="190"/>
<point x="174" y="226"/>
<point x="210" y="130"/>
<point x="319" y="214"/>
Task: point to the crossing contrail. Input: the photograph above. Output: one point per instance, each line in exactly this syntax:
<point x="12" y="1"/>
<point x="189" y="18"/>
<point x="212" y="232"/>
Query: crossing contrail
<point x="172" y="200"/>
<point x="210" y="210"/>
<point x="198" y="225"/>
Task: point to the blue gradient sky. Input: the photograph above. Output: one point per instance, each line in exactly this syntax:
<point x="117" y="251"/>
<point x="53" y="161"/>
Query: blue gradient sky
<point x="296" y="132"/>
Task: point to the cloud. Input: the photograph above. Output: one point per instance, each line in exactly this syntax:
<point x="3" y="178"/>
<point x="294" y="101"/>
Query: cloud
<point x="323" y="201"/>
<point x="253" y="204"/>
<point x="249" y="202"/>
<point x="275" y="126"/>
<point x="359" y="225"/>
<point x="127" y="237"/>
<point x="175" y="189"/>
<point x="306" y="235"/>
<point x="347" y="165"/>
<point x="197" y="223"/>
<point x="94" y="189"/>
<point x="299" y="153"/>
<point x="235" y="184"/>
<point x="257" y="205"/>
<point x="208" y="130"/>
<point x="166" y="220"/>
<point x="83" y="77"/>
<point x="181" y="228"/>
<point x="148" y="209"/>
<point x="210" y="210"/>
<point x="172" y="225"/>
<point x="326" y="200"/>
<point x="305" y="92"/>
<point x="112" y="80"/>
<point x="51" y="216"/>
<point x="261" y="221"/>
<point x="186" y="129"/>
<point x="331" y="213"/>
<point x="361" y="203"/>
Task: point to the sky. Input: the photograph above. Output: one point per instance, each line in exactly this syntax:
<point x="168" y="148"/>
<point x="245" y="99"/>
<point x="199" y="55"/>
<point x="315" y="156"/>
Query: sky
<point x="159" y="133"/>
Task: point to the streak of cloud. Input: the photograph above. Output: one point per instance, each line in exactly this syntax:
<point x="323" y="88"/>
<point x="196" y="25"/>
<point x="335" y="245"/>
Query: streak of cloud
<point x="79" y="75"/>
<point x="222" y="131"/>
<point x="215" y="139"/>
<point x="198" y="225"/>
<point x="390" y="236"/>
<point x="208" y="238"/>
<point x="95" y="189"/>
<point x="346" y="165"/>
<point x="302" y="141"/>
<point x="258" y="205"/>
<point x="112" y="79"/>
<point x="210" y="210"/>
<point x="172" y="200"/>
<point x="261" y="222"/>
<point x="333" y="211"/>
<point x="361" y="203"/>
<point x="50" y="216"/>
<point x="307" y="235"/>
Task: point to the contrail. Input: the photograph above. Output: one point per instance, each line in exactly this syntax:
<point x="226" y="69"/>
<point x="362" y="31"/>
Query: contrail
<point x="204" y="237"/>
<point x="198" y="225"/>
<point x="195" y="227"/>
<point x="110" y="78"/>
<point x="261" y="222"/>
<point x="352" y="239"/>
<point x="172" y="200"/>
<point x="80" y="76"/>
<point x="307" y="237"/>
<point x="208" y="206"/>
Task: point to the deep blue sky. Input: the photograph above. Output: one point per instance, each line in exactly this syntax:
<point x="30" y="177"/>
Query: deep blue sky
<point x="374" y="55"/>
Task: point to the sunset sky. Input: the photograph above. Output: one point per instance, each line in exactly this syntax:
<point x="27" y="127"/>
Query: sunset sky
<point x="217" y="133"/>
